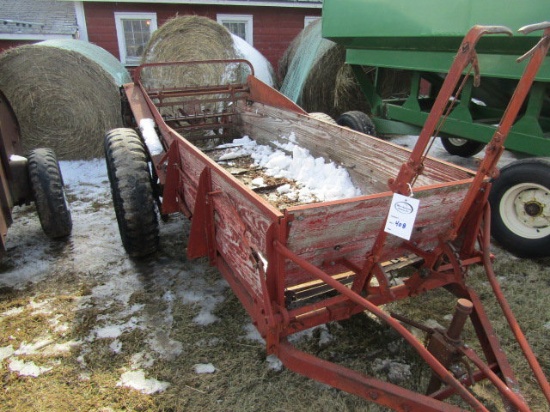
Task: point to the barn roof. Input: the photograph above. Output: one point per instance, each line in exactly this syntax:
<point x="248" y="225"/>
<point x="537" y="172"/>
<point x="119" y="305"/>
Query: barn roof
<point x="29" y="18"/>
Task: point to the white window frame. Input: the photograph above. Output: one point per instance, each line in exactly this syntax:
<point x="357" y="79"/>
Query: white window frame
<point x="310" y="19"/>
<point x="248" y="19"/>
<point x="119" y="16"/>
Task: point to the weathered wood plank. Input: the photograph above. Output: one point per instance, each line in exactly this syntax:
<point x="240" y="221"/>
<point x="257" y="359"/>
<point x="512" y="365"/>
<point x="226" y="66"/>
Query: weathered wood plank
<point x="325" y="233"/>
<point x="370" y="161"/>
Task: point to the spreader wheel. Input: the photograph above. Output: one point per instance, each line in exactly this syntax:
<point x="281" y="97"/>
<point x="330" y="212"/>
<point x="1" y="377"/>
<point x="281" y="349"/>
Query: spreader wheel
<point x="49" y="193"/>
<point x="461" y="147"/>
<point x="520" y="205"/>
<point x="131" y="187"/>
<point x="358" y="121"/>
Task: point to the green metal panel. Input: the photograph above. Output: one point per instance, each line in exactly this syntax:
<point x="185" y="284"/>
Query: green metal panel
<point x="425" y="34"/>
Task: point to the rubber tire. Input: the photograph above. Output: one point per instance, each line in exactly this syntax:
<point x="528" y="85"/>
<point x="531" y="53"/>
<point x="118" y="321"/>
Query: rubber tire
<point x="521" y="240"/>
<point x="49" y="193"/>
<point x="132" y="191"/>
<point x="357" y="121"/>
<point x="461" y="147"/>
<point x="323" y="117"/>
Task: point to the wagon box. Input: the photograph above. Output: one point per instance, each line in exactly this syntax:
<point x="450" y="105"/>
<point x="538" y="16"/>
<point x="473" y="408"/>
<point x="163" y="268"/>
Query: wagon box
<point x="303" y="265"/>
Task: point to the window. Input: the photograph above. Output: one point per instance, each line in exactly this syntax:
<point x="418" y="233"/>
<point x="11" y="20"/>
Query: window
<point x="310" y="19"/>
<point x="133" y="32"/>
<point x="239" y="25"/>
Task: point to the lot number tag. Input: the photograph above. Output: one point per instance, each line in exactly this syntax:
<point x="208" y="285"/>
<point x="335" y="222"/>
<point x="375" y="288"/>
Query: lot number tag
<point x="402" y="215"/>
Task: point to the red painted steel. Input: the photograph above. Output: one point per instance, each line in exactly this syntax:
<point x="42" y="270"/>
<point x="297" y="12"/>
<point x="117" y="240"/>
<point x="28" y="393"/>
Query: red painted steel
<point x="265" y="254"/>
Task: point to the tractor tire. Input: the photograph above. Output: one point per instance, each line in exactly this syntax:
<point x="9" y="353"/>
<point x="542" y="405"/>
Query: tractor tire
<point x="322" y="116"/>
<point x="49" y="193"/>
<point x="357" y="121"/>
<point x="520" y="205"/>
<point x="461" y="147"/>
<point x="132" y="191"/>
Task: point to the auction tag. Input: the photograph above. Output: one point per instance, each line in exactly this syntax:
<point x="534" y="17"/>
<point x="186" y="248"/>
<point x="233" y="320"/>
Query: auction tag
<point x="402" y="215"/>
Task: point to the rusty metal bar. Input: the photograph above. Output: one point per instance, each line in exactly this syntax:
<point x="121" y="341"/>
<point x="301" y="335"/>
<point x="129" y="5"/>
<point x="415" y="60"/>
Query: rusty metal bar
<point x="434" y="364"/>
<point x="512" y="322"/>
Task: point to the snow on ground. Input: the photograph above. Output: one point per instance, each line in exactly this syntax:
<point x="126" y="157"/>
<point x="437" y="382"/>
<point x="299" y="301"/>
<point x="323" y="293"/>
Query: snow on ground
<point x="94" y="249"/>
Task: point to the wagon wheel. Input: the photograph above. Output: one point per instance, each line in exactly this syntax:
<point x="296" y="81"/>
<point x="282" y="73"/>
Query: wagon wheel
<point x="322" y="116"/>
<point x="49" y="193"/>
<point x="132" y="191"/>
<point x="358" y="121"/>
<point x="461" y="147"/>
<point x="520" y="204"/>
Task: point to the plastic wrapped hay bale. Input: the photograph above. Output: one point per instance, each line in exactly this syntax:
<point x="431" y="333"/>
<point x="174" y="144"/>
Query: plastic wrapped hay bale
<point x="62" y="98"/>
<point x="316" y="77"/>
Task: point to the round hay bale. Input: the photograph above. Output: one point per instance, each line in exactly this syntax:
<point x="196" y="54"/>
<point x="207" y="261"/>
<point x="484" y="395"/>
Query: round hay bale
<point x="316" y="77"/>
<point x="62" y="99"/>
<point x="106" y="60"/>
<point x="187" y="38"/>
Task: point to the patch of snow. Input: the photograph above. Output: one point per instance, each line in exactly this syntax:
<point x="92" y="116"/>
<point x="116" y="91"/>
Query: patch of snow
<point x="201" y="368"/>
<point x="141" y="360"/>
<point x="114" y="331"/>
<point x="251" y="333"/>
<point x="152" y="141"/>
<point x="12" y="312"/>
<point x="33" y="348"/>
<point x="274" y="363"/>
<point x="397" y="372"/>
<point x="27" y="368"/>
<point x="136" y="380"/>
<point x="116" y="346"/>
<point x="6" y="352"/>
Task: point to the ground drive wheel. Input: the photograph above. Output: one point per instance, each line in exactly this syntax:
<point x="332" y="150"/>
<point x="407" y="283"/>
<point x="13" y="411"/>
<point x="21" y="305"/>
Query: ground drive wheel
<point x="358" y="121"/>
<point x="520" y="205"/>
<point x="135" y="207"/>
<point x="461" y="147"/>
<point x="49" y="194"/>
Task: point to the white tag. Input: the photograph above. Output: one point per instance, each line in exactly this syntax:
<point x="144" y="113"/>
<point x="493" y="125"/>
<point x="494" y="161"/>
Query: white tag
<point x="402" y="215"/>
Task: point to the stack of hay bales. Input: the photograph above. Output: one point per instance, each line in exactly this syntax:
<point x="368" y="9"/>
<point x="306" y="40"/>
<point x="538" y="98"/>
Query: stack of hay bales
<point x="316" y="77"/>
<point x="187" y="38"/>
<point x="65" y="94"/>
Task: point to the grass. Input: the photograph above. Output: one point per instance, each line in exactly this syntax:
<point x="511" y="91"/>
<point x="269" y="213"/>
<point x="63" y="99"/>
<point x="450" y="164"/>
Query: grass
<point x="85" y="378"/>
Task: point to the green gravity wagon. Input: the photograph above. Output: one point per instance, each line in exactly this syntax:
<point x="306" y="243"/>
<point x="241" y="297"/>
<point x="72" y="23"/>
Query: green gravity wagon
<point x="420" y="39"/>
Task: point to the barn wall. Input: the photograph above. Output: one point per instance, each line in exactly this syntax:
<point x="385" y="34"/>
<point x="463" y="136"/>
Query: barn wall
<point x="8" y="44"/>
<point x="274" y="27"/>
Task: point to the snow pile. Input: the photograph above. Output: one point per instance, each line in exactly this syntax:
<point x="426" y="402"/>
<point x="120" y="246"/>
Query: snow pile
<point x="27" y="368"/>
<point x="262" y="68"/>
<point x="152" y="140"/>
<point x="137" y="380"/>
<point x="316" y="179"/>
<point x="201" y="368"/>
